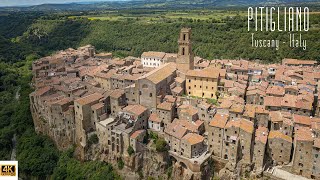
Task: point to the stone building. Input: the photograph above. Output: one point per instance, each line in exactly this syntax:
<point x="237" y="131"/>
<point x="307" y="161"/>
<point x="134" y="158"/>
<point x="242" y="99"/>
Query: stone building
<point x="166" y="112"/>
<point x="255" y="96"/>
<point x="259" y="149"/>
<point x="156" y="83"/>
<point x="192" y="145"/>
<point x="136" y="140"/>
<point x="316" y="159"/>
<point x="188" y="112"/>
<point x="302" y="155"/>
<point x="117" y="101"/>
<point x="84" y="123"/>
<point x="246" y="135"/>
<point x="278" y="147"/>
<point x="231" y="141"/>
<point x="202" y="83"/>
<point x="281" y="121"/>
<point x="154" y="123"/>
<point x="152" y="59"/>
<point x="216" y="133"/>
<point x="129" y="120"/>
<point x="173" y="135"/>
<point x="103" y="128"/>
<point x="206" y="112"/>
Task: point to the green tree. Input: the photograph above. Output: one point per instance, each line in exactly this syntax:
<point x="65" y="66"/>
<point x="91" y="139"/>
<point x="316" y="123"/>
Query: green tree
<point x="161" y="145"/>
<point x="93" y="139"/>
<point x="130" y="150"/>
<point x="120" y="164"/>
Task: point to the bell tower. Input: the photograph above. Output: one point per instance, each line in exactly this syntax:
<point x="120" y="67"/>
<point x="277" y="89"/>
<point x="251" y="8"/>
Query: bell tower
<point x="185" y="59"/>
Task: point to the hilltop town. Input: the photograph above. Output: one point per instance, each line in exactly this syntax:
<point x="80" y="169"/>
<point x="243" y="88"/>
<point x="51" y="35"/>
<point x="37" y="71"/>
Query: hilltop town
<point x="227" y="118"/>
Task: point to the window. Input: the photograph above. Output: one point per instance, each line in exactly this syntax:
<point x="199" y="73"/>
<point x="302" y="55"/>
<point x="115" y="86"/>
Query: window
<point x="183" y="51"/>
<point x="189" y="80"/>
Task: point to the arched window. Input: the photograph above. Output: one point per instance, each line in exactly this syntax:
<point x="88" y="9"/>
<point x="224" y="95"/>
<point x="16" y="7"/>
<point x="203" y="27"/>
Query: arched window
<point x="145" y="86"/>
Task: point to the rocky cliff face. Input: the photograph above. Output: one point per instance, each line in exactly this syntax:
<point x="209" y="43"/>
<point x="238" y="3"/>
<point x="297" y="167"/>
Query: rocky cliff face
<point x="141" y="165"/>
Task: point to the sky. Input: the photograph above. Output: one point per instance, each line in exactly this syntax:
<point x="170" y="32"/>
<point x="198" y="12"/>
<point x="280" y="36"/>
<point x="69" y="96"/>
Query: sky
<point x="35" y="2"/>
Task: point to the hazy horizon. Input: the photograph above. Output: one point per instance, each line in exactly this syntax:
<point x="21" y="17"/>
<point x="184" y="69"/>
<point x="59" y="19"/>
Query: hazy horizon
<point x="37" y="2"/>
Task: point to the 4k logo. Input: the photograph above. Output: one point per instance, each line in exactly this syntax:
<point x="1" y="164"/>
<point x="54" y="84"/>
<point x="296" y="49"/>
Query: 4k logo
<point x="8" y="170"/>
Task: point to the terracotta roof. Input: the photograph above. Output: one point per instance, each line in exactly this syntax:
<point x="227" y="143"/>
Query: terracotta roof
<point x="250" y="111"/>
<point x="246" y="125"/>
<point x="193" y="138"/>
<point x="237" y="108"/>
<point x="219" y="120"/>
<point x="190" y="110"/>
<point x="177" y="90"/>
<point x="256" y="91"/>
<point x="169" y="56"/>
<point x="135" y="109"/>
<point x="204" y="73"/>
<point x="170" y="98"/>
<point x="154" y="117"/>
<point x="272" y="101"/>
<point x="117" y="93"/>
<point x="137" y="133"/>
<point x="275" y="116"/>
<point x="299" y="119"/>
<point x="260" y="109"/>
<point x="175" y="130"/>
<point x="233" y="123"/>
<point x="280" y="135"/>
<point x="165" y="106"/>
<point x="63" y="101"/>
<point x="40" y="92"/>
<point x="303" y="134"/>
<point x="275" y="90"/>
<point x="97" y="106"/>
<point x="262" y="134"/>
<point x="179" y="80"/>
<point x="153" y="54"/>
<point x="298" y="62"/>
<point x="191" y="126"/>
<point x="89" y="99"/>
<point x="159" y="74"/>
<point x="291" y="87"/>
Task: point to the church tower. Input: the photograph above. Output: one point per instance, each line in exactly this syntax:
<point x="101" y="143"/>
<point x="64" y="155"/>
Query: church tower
<point x="185" y="59"/>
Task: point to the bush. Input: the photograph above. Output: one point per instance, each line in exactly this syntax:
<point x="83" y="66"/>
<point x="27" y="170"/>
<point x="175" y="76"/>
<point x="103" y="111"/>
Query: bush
<point x="120" y="164"/>
<point x="212" y="101"/>
<point x="153" y="136"/>
<point x="93" y="139"/>
<point x="161" y="145"/>
<point x="130" y="150"/>
<point x="70" y="168"/>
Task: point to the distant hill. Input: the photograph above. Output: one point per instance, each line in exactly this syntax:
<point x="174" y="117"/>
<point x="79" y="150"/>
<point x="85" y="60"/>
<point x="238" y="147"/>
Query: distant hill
<point x="156" y="4"/>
